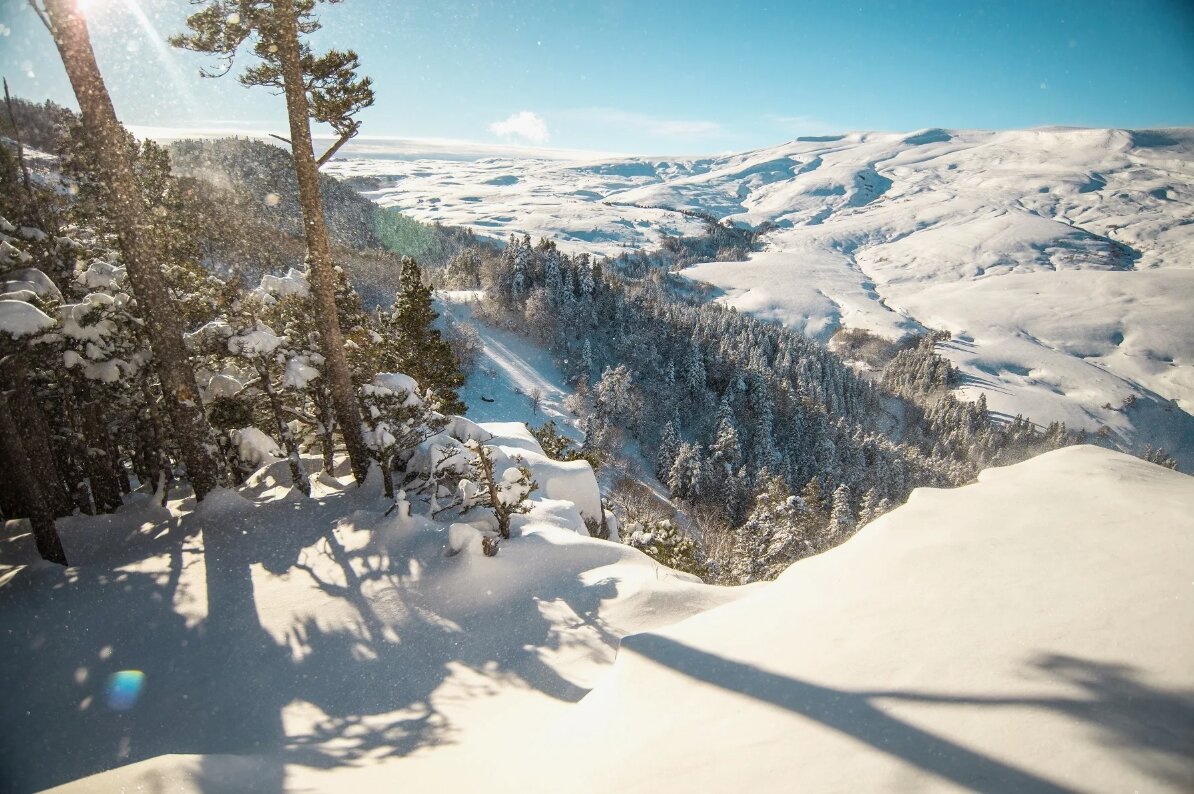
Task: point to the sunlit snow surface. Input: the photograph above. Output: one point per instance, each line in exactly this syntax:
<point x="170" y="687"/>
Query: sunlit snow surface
<point x="1062" y="260"/>
<point x="1029" y="632"/>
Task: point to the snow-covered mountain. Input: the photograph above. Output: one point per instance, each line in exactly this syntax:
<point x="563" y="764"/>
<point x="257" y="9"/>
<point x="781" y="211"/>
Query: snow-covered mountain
<point x="1061" y="260"/>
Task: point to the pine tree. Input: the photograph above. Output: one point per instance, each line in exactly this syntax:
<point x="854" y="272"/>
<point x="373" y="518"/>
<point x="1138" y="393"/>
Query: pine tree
<point x="327" y="90"/>
<point x="868" y="510"/>
<point x="397" y="421"/>
<point x="241" y="337"/>
<point x="725" y="452"/>
<point x="665" y="455"/>
<point x="773" y="535"/>
<point x="688" y="475"/>
<point x="505" y="493"/>
<point x="420" y="350"/>
<point x="841" y="516"/>
<point x="179" y="390"/>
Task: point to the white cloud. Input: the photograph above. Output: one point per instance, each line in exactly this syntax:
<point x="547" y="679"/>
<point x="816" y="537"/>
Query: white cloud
<point x="525" y="125"/>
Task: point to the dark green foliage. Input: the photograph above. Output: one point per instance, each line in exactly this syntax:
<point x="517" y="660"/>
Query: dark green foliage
<point x="558" y="446"/>
<point x="415" y="346"/>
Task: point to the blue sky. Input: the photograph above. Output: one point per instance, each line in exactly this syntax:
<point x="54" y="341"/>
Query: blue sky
<point x="669" y="76"/>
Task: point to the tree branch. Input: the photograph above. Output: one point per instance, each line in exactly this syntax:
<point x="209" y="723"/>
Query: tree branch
<point x="41" y="14"/>
<point x="283" y="140"/>
<point x="335" y="148"/>
<point x="16" y="134"/>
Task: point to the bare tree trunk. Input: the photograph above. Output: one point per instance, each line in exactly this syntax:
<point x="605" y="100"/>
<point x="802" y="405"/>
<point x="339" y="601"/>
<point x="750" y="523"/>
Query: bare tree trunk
<point x="327" y="420"/>
<point x="39" y="445"/>
<point x="10" y="506"/>
<point x="27" y="494"/>
<point x="158" y="433"/>
<point x="500" y="511"/>
<point x="331" y="340"/>
<point x="101" y="469"/>
<point x="298" y="471"/>
<point x="387" y="475"/>
<point x="69" y="30"/>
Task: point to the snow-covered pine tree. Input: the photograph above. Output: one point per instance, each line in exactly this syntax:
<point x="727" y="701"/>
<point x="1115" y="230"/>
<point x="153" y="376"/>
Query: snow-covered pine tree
<point x="324" y="88"/>
<point x="841" y="515"/>
<point x="666" y="451"/>
<point x="773" y="536"/>
<point x="240" y="339"/>
<point x="397" y="420"/>
<point x="505" y="493"/>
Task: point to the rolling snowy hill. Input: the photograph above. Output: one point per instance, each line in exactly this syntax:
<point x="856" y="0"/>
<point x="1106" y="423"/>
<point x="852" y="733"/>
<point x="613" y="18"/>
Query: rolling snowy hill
<point x="1061" y="260"/>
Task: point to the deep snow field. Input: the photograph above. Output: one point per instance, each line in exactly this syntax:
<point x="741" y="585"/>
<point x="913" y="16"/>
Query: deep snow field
<point x="1061" y="260"/>
<point x="1030" y="632"/>
<point x="320" y="637"/>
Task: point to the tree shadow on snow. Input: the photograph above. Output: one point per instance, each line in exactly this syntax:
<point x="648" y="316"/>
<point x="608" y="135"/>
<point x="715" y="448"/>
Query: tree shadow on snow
<point x="218" y="686"/>
<point x="359" y="676"/>
<point x="1153" y="727"/>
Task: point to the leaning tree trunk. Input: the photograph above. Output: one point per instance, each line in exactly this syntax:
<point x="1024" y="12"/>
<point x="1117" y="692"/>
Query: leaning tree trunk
<point x="27" y="495"/>
<point x="136" y="243"/>
<point x="319" y="255"/>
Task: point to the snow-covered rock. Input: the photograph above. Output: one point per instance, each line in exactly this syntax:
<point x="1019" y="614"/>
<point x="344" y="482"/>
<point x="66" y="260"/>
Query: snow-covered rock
<point x="255" y="447"/>
<point x="272" y="287"/>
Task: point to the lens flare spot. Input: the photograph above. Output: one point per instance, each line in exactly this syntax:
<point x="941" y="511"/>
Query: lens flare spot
<point x="124" y="689"/>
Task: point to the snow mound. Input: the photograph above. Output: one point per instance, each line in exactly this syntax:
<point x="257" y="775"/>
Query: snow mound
<point x="308" y="644"/>
<point x="572" y="481"/>
<point x="1031" y="632"/>
<point x="19" y="319"/>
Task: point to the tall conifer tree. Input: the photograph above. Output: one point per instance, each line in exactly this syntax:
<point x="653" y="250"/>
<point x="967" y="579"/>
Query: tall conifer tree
<point x="136" y="240"/>
<point x="325" y="89"/>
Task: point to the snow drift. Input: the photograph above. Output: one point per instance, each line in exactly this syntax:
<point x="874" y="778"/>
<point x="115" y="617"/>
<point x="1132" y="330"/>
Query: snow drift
<point x="1031" y="632"/>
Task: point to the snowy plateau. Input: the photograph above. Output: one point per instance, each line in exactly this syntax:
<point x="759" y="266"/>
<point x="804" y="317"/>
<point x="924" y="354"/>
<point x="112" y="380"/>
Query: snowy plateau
<point x="1061" y="260"/>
